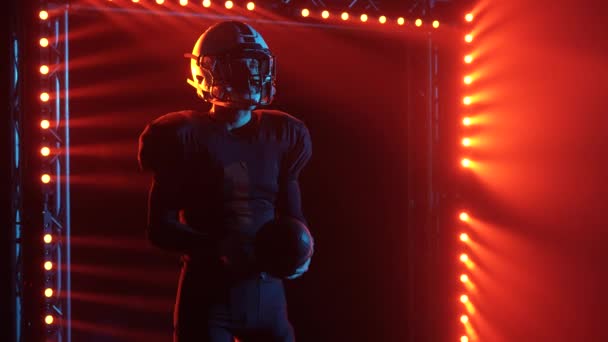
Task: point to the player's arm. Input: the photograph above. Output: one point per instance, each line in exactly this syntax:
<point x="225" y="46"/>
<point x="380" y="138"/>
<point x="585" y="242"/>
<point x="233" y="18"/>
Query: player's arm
<point x="289" y="200"/>
<point x="160" y="153"/>
<point x="164" y="228"/>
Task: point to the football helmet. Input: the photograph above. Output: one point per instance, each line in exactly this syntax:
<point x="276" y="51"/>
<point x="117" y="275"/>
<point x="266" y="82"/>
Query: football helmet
<point x="231" y="58"/>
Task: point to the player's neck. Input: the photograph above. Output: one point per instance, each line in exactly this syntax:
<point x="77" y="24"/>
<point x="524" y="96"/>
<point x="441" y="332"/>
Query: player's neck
<point x="231" y="117"/>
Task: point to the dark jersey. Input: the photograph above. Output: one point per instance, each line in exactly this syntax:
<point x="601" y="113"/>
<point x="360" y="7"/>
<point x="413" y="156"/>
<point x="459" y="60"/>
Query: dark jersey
<point x="213" y="187"/>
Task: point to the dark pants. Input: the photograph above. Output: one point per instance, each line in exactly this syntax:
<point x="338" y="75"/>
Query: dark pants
<point x="217" y="306"/>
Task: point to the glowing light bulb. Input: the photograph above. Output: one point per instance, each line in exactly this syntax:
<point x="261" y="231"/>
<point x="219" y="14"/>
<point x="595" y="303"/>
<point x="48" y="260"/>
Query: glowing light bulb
<point x="382" y="19"/>
<point x="464" y="237"/>
<point x="48" y="319"/>
<point x="183" y="2"/>
<point x="206" y="3"/>
<point x="44" y="69"/>
<point x="48" y="293"/>
<point x="464" y="319"/>
<point x="229" y="4"/>
<point x="468" y="38"/>
<point x="325" y="14"/>
<point x="250" y="6"/>
<point x="45" y="124"/>
<point x="436" y="23"/>
<point x="160" y="2"/>
<point x="344" y="16"/>
<point x="466" y="142"/>
<point x="418" y="22"/>
<point x="464" y="278"/>
<point x="44" y="42"/>
<point x="468" y="59"/>
<point x="48" y="265"/>
<point x="468" y="17"/>
<point x="45" y="178"/>
<point x="464" y="299"/>
<point x="44" y="97"/>
<point x="464" y="217"/>
<point x="467" y="121"/>
<point x="464" y="257"/>
<point x="364" y="17"/>
<point x="464" y="339"/>
<point x="305" y="12"/>
<point x="400" y="21"/>
<point x="43" y="15"/>
<point x="48" y="238"/>
<point x="45" y="151"/>
<point x="468" y="79"/>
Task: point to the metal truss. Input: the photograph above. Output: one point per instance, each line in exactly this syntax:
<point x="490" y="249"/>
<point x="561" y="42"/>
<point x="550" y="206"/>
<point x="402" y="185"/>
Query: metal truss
<point x="55" y="166"/>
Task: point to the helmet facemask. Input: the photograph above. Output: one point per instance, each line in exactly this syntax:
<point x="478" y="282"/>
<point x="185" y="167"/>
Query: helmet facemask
<point x="243" y="77"/>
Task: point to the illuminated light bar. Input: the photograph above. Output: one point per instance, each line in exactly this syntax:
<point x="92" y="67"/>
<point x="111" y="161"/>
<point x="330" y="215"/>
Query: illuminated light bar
<point x="250" y="6"/>
<point x="305" y="12"/>
<point x="48" y="238"/>
<point x="183" y="2"/>
<point x="382" y="19"/>
<point x="344" y="16"/>
<point x="436" y="23"/>
<point x="466" y="142"/>
<point x="400" y="21"/>
<point x="418" y="22"/>
<point x="229" y="4"/>
<point x="464" y="237"/>
<point x="464" y="278"/>
<point x="48" y="293"/>
<point x="468" y="59"/>
<point x="206" y="3"/>
<point x="45" y="178"/>
<point x="48" y="265"/>
<point x="45" y="124"/>
<point x="44" y="96"/>
<point x="468" y="38"/>
<point x="467" y="121"/>
<point x="464" y="257"/>
<point x="325" y="14"/>
<point x="44" y="42"/>
<point x="43" y="15"/>
<point x="464" y="319"/>
<point x="467" y="100"/>
<point x="464" y="217"/>
<point x="44" y="69"/>
<point x="469" y="17"/>
<point x="464" y="299"/>
<point x="45" y="151"/>
<point x="48" y="319"/>
<point x="364" y="17"/>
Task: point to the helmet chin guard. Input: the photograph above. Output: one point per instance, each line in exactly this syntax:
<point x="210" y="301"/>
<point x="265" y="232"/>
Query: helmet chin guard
<point x="229" y="60"/>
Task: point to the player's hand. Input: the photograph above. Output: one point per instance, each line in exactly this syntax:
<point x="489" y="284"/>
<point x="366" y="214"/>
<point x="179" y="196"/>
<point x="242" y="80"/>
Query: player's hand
<point x="301" y="270"/>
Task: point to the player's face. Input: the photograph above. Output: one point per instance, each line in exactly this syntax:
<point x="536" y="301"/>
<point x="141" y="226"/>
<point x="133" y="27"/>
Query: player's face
<point x="245" y="79"/>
